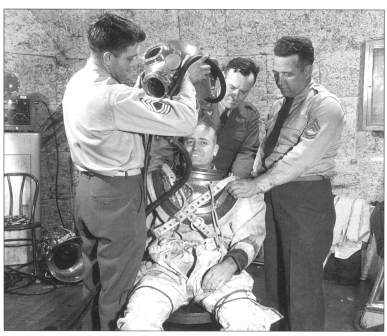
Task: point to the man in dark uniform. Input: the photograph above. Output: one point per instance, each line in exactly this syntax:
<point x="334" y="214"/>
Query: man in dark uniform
<point x="237" y="120"/>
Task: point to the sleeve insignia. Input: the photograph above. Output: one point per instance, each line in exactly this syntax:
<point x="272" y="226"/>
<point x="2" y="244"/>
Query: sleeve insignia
<point x="311" y="131"/>
<point x="156" y="106"/>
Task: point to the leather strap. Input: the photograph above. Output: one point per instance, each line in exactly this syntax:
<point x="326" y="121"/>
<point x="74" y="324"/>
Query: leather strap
<point x="189" y="210"/>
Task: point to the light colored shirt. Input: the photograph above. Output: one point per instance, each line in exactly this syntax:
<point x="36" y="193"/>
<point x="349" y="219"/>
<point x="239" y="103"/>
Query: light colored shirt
<point x="308" y="142"/>
<point x="103" y="120"/>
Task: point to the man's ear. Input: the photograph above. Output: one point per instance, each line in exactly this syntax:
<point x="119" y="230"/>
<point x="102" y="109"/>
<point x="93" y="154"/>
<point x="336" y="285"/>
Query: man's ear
<point x="107" y="57"/>
<point x="216" y="148"/>
<point x="308" y="71"/>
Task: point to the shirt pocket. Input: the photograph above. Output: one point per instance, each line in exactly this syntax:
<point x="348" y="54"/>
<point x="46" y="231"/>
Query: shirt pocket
<point x="236" y="134"/>
<point x="290" y="135"/>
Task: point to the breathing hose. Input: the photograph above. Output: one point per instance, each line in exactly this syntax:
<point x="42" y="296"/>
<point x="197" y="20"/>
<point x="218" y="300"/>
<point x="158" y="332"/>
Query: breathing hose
<point x="214" y="69"/>
<point x="177" y="186"/>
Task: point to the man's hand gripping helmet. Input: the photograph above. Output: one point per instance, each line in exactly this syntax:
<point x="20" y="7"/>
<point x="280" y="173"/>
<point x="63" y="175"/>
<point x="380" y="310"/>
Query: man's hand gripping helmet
<point x="164" y="69"/>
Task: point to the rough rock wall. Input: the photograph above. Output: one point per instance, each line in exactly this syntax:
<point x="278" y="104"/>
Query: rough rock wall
<point x="44" y="48"/>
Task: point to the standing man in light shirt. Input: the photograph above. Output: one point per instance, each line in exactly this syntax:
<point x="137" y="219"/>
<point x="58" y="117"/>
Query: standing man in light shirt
<point x="103" y="118"/>
<point x="293" y="168"/>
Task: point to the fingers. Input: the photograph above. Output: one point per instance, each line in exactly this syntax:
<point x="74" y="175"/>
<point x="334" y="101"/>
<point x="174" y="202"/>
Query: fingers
<point x="210" y="282"/>
<point x="234" y="188"/>
<point x="213" y="281"/>
<point x="242" y="188"/>
<point x="204" y="57"/>
<point x="205" y="68"/>
<point x="138" y="85"/>
<point x="199" y="71"/>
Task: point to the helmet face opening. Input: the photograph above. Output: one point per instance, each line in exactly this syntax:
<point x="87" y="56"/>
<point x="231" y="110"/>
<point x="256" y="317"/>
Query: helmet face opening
<point x="64" y="261"/>
<point x="66" y="257"/>
<point x="156" y="88"/>
<point x="152" y="53"/>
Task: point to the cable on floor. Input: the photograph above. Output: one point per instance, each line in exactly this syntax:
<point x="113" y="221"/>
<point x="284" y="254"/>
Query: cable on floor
<point x="15" y="280"/>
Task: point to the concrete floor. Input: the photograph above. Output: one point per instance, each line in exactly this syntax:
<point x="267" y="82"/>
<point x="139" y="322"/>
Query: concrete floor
<point x="36" y="312"/>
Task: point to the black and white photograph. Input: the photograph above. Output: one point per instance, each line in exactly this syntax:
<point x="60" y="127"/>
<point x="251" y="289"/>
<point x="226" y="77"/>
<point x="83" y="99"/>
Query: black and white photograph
<point x="193" y="169"/>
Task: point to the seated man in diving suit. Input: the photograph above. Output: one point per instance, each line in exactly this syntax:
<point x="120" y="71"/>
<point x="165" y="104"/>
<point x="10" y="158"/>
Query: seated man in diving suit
<point x="201" y="249"/>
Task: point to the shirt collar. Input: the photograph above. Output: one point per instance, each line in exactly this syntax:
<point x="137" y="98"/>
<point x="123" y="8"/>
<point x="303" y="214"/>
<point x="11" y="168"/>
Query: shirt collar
<point x="302" y="95"/>
<point x="222" y="108"/>
<point x="98" y="69"/>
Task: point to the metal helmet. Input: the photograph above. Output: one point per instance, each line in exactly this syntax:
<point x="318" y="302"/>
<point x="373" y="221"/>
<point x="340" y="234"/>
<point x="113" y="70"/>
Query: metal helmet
<point x="65" y="262"/>
<point x="161" y="64"/>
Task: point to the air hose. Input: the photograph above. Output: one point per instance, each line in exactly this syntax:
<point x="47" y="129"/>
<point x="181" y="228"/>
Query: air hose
<point x="188" y="168"/>
<point x="215" y="71"/>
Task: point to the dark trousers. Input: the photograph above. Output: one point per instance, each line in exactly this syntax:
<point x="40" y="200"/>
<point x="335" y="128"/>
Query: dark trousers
<point x="300" y="218"/>
<point x="110" y="218"/>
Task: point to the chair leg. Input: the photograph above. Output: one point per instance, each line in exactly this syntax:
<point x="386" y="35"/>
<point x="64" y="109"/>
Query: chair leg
<point x="33" y="236"/>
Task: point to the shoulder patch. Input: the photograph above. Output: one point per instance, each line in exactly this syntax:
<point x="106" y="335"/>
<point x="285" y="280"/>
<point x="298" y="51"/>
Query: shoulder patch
<point x="311" y="131"/>
<point x="156" y="106"/>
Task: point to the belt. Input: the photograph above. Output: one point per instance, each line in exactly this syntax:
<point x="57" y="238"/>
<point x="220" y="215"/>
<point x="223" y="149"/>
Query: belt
<point x="118" y="174"/>
<point x="310" y="178"/>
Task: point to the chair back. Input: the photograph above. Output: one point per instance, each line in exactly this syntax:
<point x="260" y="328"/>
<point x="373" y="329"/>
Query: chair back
<point x="21" y="195"/>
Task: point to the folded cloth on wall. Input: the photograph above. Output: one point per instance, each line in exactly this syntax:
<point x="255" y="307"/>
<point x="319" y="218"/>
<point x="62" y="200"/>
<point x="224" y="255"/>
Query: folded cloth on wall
<point x="352" y="226"/>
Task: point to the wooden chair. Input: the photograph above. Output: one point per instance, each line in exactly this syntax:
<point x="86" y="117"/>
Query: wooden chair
<point x="191" y="317"/>
<point x="20" y="218"/>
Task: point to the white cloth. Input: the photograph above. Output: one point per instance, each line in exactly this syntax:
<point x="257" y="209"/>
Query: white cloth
<point x="352" y="226"/>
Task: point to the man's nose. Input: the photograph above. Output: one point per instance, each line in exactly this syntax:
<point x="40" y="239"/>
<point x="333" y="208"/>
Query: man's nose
<point x="234" y="94"/>
<point x="238" y="95"/>
<point x="279" y="79"/>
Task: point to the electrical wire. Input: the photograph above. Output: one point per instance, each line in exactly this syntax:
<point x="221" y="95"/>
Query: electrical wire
<point x="57" y="163"/>
<point x="146" y="163"/>
<point x="16" y="280"/>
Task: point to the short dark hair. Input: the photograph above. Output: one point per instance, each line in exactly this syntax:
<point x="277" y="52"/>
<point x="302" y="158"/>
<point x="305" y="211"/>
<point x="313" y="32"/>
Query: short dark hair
<point x="245" y="66"/>
<point x="113" y="33"/>
<point x="295" y="45"/>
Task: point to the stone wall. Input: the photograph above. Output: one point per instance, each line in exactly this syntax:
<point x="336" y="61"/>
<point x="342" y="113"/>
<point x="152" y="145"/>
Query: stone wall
<point x="44" y="48"/>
